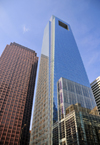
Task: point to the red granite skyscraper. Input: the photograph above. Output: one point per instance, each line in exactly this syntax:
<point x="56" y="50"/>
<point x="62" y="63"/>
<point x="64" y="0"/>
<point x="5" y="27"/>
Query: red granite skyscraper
<point x="18" y="66"/>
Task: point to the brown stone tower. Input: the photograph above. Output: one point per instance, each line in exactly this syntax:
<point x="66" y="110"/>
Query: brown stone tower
<point x="18" y="67"/>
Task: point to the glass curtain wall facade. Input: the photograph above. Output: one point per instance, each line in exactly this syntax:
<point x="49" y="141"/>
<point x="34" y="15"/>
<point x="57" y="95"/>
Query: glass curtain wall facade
<point x="40" y="134"/>
<point x="75" y="123"/>
<point x="64" y="60"/>
<point x="70" y="92"/>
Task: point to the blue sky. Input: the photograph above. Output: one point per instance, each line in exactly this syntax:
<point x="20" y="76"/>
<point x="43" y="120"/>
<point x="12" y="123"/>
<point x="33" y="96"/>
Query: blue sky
<point x="23" y="22"/>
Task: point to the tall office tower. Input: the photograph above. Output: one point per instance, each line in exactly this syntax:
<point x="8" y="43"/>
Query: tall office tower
<point x="95" y="85"/>
<point x="18" y="66"/>
<point x="59" y="58"/>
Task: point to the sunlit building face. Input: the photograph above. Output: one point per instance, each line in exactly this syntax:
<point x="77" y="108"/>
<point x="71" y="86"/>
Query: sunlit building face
<point x="60" y="61"/>
<point x="18" y="66"/>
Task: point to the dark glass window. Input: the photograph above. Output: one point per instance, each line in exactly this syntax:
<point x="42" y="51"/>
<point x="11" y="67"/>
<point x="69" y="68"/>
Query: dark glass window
<point x="63" y="25"/>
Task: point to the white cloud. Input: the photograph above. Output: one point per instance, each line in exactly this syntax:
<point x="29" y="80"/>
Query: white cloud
<point x="25" y="29"/>
<point x="93" y="59"/>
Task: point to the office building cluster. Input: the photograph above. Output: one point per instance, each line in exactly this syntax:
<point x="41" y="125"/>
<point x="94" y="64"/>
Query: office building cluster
<point x="65" y="111"/>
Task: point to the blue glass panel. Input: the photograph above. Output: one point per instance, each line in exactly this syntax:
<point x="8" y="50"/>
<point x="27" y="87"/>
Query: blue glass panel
<point x="67" y="60"/>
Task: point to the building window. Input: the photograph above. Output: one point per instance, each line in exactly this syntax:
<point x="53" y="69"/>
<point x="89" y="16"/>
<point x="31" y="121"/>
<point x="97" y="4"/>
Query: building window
<point x="63" y="25"/>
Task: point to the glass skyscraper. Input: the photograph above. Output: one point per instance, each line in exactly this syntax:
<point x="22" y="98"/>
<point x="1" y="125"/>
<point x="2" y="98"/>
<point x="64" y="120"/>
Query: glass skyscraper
<point x="60" y="58"/>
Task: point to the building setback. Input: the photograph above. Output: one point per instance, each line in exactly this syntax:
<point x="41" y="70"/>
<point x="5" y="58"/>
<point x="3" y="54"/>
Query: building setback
<point x="18" y="67"/>
<point x="95" y="85"/>
<point x="60" y="57"/>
